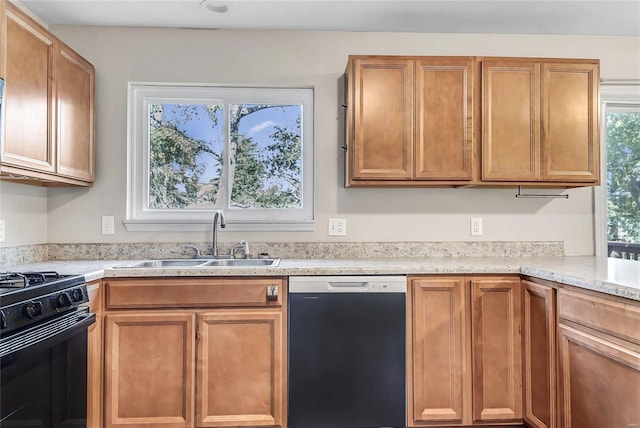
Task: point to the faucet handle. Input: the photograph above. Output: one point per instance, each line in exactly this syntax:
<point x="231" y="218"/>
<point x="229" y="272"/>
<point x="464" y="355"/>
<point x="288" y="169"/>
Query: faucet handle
<point x="245" y="244"/>
<point x="193" y="247"/>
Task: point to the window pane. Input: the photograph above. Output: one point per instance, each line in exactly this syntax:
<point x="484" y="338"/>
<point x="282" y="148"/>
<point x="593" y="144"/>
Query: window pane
<point x="623" y="179"/>
<point x="186" y="145"/>
<point x="265" y="156"/>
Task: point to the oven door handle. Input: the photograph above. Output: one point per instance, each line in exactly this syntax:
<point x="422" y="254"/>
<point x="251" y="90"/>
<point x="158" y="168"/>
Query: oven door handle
<point x="44" y="336"/>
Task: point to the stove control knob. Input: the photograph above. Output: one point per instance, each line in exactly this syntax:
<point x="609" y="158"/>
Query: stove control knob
<point x="77" y="295"/>
<point x="32" y="309"/>
<point x="63" y="300"/>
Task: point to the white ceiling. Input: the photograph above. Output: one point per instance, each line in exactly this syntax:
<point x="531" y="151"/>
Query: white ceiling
<point x="590" y="17"/>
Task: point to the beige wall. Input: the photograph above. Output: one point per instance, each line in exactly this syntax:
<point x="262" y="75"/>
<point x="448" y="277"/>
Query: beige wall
<point x="316" y="58"/>
<point x="24" y="211"/>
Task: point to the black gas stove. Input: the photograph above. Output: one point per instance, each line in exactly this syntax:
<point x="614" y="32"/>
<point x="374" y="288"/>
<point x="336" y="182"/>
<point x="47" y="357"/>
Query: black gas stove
<point x="43" y="349"/>
<point x="29" y="298"/>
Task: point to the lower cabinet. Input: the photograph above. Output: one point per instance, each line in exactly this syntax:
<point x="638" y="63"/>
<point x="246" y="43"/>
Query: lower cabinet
<point x="150" y="369"/>
<point x="240" y="378"/>
<point x="441" y="358"/>
<point x="221" y="365"/>
<point x="496" y="349"/>
<point x="539" y="354"/>
<point x="94" y="357"/>
<point x="465" y="363"/>
<point x="599" y="361"/>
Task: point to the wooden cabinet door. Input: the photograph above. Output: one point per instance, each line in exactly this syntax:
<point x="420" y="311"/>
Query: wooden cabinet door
<point x="28" y="53"/>
<point x="443" y="118"/>
<point x="496" y="349"/>
<point x="382" y="107"/>
<point x="439" y="364"/>
<point x="599" y="381"/>
<point x="74" y="116"/>
<point x="241" y="366"/>
<point x="94" y="358"/>
<point x="539" y="359"/>
<point x="510" y="120"/>
<point x="149" y="367"/>
<point x="570" y="137"/>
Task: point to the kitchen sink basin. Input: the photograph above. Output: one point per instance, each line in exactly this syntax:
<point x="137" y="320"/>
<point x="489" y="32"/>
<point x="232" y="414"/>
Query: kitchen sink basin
<point x="241" y="262"/>
<point x="163" y="263"/>
<point x="204" y="263"/>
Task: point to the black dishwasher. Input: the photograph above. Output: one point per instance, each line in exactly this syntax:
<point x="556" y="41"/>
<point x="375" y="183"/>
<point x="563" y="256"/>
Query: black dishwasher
<point x="347" y="352"/>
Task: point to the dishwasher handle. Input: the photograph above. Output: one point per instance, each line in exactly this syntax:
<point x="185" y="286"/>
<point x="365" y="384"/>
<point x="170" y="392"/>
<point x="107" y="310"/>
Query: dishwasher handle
<point x="348" y="284"/>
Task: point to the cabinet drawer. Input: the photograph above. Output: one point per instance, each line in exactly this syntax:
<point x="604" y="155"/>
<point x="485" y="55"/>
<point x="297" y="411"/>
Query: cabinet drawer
<point x="615" y="317"/>
<point x="128" y="293"/>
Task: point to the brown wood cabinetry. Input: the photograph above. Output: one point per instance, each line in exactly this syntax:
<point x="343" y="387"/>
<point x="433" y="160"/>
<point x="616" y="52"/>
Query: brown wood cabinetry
<point x="539" y="354"/>
<point x="74" y="116"/>
<point x="241" y="359"/>
<point x="540" y="120"/>
<point x="216" y="359"/>
<point x="409" y="120"/>
<point x="496" y="349"/>
<point x="94" y="357"/>
<point x="28" y="54"/>
<point x="48" y="102"/>
<point x="413" y="121"/>
<point x="441" y="357"/>
<point x="150" y="369"/>
<point x="510" y="120"/>
<point x="465" y="359"/>
<point x="382" y="106"/>
<point x="599" y="360"/>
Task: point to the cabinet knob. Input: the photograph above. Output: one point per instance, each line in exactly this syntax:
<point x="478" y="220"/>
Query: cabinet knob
<point x="272" y="293"/>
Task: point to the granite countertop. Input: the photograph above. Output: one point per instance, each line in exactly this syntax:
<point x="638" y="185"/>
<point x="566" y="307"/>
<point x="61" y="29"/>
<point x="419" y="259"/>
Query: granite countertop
<point x="612" y="276"/>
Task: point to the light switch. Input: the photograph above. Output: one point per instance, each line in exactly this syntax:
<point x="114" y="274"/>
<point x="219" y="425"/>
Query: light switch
<point x="476" y="226"/>
<point x="108" y="225"/>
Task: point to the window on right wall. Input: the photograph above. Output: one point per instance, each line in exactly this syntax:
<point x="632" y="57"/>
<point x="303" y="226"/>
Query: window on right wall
<point x="617" y="200"/>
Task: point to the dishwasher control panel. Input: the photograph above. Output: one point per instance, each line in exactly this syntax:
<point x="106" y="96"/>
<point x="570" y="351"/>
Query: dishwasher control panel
<point x="348" y="284"/>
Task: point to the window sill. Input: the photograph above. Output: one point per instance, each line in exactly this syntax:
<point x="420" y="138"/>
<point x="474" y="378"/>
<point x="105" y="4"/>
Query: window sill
<point x="201" y="226"/>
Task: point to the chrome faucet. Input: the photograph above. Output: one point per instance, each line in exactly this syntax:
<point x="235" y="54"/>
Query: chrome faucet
<point x="214" y="237"/>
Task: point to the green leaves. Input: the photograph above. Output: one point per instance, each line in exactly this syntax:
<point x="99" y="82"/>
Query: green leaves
<point x="264" y="175"/>
<point x="174" y="172"/>
<point x="623" y="176"/>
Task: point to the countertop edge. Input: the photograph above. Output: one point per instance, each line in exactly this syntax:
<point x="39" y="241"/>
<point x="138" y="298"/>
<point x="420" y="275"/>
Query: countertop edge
<point x="615" y="277"/>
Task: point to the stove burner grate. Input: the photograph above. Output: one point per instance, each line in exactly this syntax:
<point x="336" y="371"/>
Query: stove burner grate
<point x="26" y="279"/>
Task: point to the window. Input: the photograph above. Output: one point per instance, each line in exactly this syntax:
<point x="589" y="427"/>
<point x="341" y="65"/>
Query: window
<point x="618" y="198"/>
<point x="196" y="148"/>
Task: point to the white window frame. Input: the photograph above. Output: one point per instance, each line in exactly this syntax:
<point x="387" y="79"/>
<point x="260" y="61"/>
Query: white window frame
<point x="140" y="218"/>
<point x="613" y="94"/>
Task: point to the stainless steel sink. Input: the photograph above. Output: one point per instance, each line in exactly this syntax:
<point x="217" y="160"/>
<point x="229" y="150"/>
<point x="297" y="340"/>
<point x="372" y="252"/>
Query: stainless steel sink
<point x="163" y="263"/>
<point x="241" y="262"/>
<point x="204" y="263"/>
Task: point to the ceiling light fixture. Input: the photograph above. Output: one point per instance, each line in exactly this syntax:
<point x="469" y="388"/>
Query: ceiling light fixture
<point x="214" y="6"/>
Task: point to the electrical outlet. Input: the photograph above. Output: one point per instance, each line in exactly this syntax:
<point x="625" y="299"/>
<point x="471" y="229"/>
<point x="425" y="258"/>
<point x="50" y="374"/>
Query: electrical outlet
<point x="337" y="226"/>
<point x="476" y="226"/>
<point x="108" y="225"/>
<point x="3" y="231"/>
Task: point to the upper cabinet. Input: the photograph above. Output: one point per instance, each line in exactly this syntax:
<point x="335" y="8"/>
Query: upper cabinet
<point x="382" y="89"/>
<point x="74" y="116"/>
<point x="49" y="105"/>
<point x="540" y="121"/>
<point x="413" y="121"/>
<point x="409" y="120"/>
